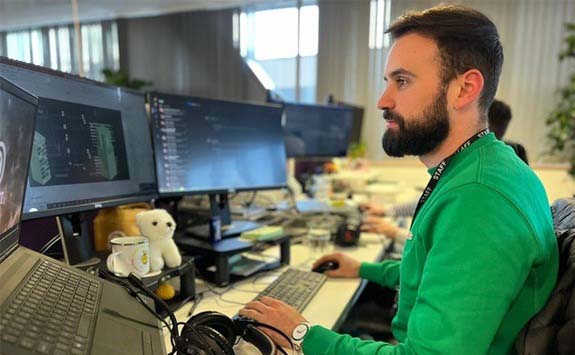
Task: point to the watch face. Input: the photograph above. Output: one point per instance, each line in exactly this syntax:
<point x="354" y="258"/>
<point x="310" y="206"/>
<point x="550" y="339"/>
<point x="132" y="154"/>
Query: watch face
<point x="300" y="331"/>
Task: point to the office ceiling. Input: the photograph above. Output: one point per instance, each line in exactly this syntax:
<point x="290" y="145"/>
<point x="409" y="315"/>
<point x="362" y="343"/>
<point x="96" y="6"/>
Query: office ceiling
<point x="17" y="14"/>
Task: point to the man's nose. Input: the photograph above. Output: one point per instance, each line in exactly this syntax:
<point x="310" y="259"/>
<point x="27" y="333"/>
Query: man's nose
<point x="386" y="101"/>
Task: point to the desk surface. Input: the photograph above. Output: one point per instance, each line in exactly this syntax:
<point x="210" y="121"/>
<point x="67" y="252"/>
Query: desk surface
<point x="336" y="295"/>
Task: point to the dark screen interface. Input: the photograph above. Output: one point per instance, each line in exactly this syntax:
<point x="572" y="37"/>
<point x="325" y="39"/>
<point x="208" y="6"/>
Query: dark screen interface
<point x="92" y="145"/>
<point x="16" y="131"/>
<point x="77" y="144"/>
<point x="317" y="131"/>
<point x="205" y="145"/>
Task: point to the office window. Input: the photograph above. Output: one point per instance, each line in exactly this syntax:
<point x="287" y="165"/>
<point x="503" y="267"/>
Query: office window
<point x="18" y="46"/>
<point x="380" y="19"/>
<point x="64" y="50"/>
<point x="53" y="42"/>
<point x="56" y="47"/>
<point x="37" y="47"/>
<point x="309" y="31"/>
<point x="283" y="61"/>
<point x="279" y="43"/>
<point x="92" y="50"/>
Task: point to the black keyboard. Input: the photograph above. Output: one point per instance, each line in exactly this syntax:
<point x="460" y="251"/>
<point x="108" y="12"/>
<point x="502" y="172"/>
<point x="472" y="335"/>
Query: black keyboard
<point x="295" y="287"/>
<point x="53" y="312"/>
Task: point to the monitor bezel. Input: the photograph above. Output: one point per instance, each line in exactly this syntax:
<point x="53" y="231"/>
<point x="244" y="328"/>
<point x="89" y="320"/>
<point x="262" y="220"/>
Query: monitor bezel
<point x="212" y="191"/>
<point x="92" y="206"/>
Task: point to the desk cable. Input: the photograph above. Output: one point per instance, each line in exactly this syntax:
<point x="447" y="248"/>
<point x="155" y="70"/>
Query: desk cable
<point x="49" y="244"/>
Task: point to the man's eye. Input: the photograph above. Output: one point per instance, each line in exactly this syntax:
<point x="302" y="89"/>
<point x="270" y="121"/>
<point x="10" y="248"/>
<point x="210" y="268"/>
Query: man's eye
<point x="401" y="82"/>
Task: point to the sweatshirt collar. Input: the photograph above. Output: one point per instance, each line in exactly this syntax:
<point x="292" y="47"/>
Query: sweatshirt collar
<point x="462" y="155"/>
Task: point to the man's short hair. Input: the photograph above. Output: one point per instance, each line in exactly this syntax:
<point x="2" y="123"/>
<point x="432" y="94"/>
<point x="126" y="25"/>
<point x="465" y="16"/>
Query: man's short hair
<point x="466" y="39"/>
<point x="499" y="113"/>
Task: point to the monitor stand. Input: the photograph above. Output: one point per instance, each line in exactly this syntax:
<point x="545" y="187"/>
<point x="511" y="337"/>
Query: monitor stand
<point x="219" y="206"/>
<point x="77" y="242"/>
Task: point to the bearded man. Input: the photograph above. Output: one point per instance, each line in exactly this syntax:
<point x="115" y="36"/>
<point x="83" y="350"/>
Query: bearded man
<point x="481" y="258"/>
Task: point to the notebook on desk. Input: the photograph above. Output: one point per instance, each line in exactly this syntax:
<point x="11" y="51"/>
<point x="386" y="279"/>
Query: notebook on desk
<point x="47" y="307"/>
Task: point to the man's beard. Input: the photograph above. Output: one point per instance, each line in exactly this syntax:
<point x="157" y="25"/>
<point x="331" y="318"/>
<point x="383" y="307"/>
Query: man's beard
<point x="420" y="135"/>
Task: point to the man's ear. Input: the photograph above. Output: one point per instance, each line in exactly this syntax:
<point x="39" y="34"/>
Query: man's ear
<point x="469" y="88"/>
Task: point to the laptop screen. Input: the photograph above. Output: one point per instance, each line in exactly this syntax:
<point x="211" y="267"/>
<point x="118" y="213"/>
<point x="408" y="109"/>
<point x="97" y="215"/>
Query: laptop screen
<point x="16" y="132"/>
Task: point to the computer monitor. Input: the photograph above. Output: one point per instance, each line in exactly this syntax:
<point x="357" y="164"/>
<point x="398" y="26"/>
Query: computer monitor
<point x="92" y="148"/>
<point x="317" y="130"/>
<point x="357" y="114"/>
<point x="214" y="147"/>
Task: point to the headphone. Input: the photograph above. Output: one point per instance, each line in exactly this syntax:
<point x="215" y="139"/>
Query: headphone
<point x="207" y="333"/>
<point x="213" y="333"/>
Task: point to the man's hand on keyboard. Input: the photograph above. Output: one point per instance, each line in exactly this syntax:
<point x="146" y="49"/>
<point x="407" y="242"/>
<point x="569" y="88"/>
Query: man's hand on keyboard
<point x="276" y="314"/>
<point x="348" y="267"/>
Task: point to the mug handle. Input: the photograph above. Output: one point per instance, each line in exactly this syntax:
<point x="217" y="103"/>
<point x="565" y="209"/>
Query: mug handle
<point x="117" y="265"/>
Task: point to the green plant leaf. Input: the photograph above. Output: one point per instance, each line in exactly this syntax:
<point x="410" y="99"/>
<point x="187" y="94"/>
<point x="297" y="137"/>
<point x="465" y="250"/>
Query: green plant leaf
<point x="561" y="121"/>
<point x="119" y="78"/>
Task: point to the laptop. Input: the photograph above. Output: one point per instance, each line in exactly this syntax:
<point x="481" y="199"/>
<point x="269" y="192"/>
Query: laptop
<point x="48" y="307"/>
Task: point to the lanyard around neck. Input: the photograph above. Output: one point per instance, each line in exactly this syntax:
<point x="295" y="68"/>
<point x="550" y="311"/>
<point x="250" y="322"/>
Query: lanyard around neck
<point x="441" y="169"/>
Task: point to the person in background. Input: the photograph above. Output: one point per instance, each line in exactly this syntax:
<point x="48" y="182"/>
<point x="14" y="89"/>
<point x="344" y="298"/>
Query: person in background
<point x="482" y="257"/>
<point x="376" y="219"/>
<point x="499" y="117"/>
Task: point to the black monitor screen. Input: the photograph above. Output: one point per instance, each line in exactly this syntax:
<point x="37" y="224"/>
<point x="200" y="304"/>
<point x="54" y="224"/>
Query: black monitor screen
<point x="92" y="146"/>
<point x="16" y="131"/>
<point x="357" y="114"/>
<point x="204" y="145"/>
<point x="77" y="144"/>
<point x="317" y="131"/>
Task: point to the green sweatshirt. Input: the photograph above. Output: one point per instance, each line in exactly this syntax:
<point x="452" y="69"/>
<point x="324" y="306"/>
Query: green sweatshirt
<point x="482" y="261"/>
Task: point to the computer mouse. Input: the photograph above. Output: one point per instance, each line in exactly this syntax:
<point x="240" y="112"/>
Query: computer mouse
<point x="326" y="266"/>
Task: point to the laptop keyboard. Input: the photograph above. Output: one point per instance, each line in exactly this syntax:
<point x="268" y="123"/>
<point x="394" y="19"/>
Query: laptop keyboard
<point x="54" y="312"/>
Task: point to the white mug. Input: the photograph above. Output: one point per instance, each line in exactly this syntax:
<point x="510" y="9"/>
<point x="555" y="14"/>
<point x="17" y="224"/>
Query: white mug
<point x="129" y="255"/>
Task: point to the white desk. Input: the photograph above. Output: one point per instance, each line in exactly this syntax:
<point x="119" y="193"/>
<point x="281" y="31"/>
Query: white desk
<point x="328" y="308"/>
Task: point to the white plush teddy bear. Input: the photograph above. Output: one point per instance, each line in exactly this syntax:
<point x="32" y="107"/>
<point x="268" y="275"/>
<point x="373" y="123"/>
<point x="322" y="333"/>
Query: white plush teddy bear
<point x="158" y="226"/>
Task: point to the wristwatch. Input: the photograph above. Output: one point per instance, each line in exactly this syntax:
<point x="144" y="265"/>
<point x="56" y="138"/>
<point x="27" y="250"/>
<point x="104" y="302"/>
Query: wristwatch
<point x="299" y="333"/>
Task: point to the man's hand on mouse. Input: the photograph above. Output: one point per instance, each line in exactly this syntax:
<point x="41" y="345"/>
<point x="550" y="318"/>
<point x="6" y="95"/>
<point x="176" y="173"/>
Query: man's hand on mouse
<point x="348" y="267"/>
<point x="274" y="313"/>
